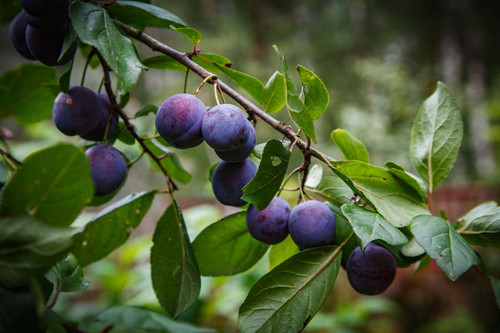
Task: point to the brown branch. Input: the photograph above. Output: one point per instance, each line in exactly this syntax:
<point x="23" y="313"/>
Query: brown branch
<point x="252" y="109"/>
<point x="115" y="108"/>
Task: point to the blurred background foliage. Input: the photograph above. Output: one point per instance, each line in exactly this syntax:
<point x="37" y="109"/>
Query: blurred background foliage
<point x="379" y="61"/>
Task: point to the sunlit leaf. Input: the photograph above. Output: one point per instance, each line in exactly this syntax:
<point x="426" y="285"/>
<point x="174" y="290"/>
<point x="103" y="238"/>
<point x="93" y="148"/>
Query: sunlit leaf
<point x="351" y="147"/>
<point x="314" y="93"/>
<point x="481" y="225"/>
<point x="140" y="15"/>
<point x="274" y="93"/>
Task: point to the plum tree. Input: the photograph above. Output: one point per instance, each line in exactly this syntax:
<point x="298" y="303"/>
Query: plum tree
<point x="97" y="134"/>
<point x="46" y="15"/>
<point x="108" y="168"/>
<point x="242" y="152"/>
<point x="311" y="223"/>
<point x="179" y="120"/>
<point x="229" y="179"/>
<point x="17" y="34"/>
<point x="46" y="46"/>
<point x="77" y="112"/>
<point x="269" y="225"/>
<point x="225" y="127"/>
<point x="371" y="272"/>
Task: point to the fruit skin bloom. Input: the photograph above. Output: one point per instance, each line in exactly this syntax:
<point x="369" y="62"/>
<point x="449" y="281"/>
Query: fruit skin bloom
<point x="269" y="225"/>
<point x="179" y="120"/>
<point x="229" y="179"/>
<point x="108" y="168"/>
<point x="311" y="224"/>
<point x="371" y="272"/>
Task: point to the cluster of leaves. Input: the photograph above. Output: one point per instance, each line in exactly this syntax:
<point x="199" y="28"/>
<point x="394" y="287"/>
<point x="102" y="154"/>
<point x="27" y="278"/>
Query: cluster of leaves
<point x="41" y="254"/>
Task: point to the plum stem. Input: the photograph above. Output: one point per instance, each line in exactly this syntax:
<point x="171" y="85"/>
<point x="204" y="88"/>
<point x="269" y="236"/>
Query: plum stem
<point x="13" y="162"/>
<point x="252" y="109"/>
<point x="115" y="108"/>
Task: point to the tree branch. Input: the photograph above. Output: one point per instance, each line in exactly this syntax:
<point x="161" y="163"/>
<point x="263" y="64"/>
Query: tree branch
<point x="251" y="108"/>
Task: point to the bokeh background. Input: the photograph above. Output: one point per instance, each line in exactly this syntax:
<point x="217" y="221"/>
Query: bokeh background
<point x="379" y="61"/>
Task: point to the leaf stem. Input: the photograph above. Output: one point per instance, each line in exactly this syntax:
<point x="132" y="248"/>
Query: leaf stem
<point x="287" y="179"/>
<point x="87" y="62"/>
<point x="13" y="162"/>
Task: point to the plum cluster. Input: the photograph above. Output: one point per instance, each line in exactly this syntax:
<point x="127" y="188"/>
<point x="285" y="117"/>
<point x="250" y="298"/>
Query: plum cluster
<point x="38" y="31"/>
<point x="310" y="223"/>
<point x="184" y="122"/>
<point x="83" y="112"/>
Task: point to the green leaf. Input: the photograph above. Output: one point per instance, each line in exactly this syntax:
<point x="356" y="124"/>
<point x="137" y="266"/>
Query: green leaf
<point x="286" y="299"/>
<point x="209" y="61"/>
<point x="111" y="227"/>
<point x="436" y="136"/>
<point x="314" y="93"/>
<point x="343" y="230"/>
<point x="397" y="202"/>
<point x="53" y="184"/>
<point x="25" y="94"/>
<point x="334" y="190"/>
<point x="171" y="163"/>
<point x="68" y="275"/>
<point x="266" y="183"/>
<point x="415" y="182"/>
<point x="481" y="225"/>
<point x="145" y="110"/>
<point x="227" y="248"/>
<point x="192" y="34"/>
<point x="174" y="271"/>
<point x="495" y="285"/>
<point x="274" y="93"/>
<point x="94" y="27"/>
<point x="295" y="104"/>
<point x="8" y="10"/>
<point x="445" y="246"/>
<point x="133" y="317"/>
<point x="281" y="252"/>
<point x="370" y="226"/>
<point x="164" y="62"/>
<point x="140" y="15"/>
<point x="18" y="309"/>
<point x="250" y="84"/>
<point x="351" y="147"/>
<point x="28" y="247"/>
<point x="63" y="73"/>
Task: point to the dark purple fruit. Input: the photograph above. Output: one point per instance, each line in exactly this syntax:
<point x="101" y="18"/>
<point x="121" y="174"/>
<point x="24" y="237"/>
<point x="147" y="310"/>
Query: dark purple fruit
<point x="225" y="127"/>
<point x="371" y="272"/>
<point x="311" y="223"/>
<point x="179" y="120"/>
<point x="77" y="112"/>
<point x="46" y="15"/>
<point x="48" y="46"/>
<point x="271" y="224"/>
<point x="108" y="168"/>
<point x="229" y="179"/>
<point x="97" y="134"/>
<point x="240" y="153"/>
<point x="17" y="34"/>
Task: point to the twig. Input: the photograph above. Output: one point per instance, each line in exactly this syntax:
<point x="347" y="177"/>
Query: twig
<point x="114" y="107"/>
<point x="14" y="163"/>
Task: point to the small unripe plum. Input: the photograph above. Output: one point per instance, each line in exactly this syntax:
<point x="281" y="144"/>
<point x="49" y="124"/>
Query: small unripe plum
<point x="97" y="134"/>
<point x="179" y="120"/>
<point x="77" y="112"/>
<point x="311" y="224"/>
<point x="108" y="168"/>
<point x="229" y="179"/>
<point x="240" y="153"/>
<point x="371" y="272"/>
<point x="17" y="34"/>
<point x="269" y="225"/>
<point x="225" y="127"/>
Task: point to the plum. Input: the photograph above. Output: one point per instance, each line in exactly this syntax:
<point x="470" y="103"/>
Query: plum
<point x="108" y="168"/>
<point x="269" y="225"/>
<point x="371" y="272"/>
<point x="311" y="223"/>
<point x="97" y="134"/>
<point x="77" y="112"/>
<point x="229" y="179"/>
<point x="46" y="47"/>
<point x="17" y="34"/>
<point x="225" y="127"/>
<point x="48" y="15"/>
<point x="179" y="120"/>
<point x="240" y="153"/>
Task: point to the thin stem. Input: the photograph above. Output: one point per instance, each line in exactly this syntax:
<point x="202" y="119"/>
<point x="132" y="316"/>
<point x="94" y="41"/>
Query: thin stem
<point x="287" y="179"/>
<point x="251" y="108"/>
<point x="114" y="108"/>
<point x="13" y="162"/>
<point x="216" y="95"/>
<point x="186" y="80"/>
<point x="87" y="62"/>
<point x="135" y="159"/>
<point x="205" y="80"/>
